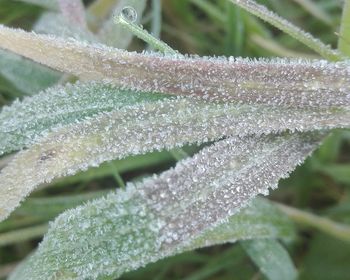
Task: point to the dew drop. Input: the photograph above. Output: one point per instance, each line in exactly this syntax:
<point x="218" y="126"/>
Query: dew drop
<point x="129" y="14"/>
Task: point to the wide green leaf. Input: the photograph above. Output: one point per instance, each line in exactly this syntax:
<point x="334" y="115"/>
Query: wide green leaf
<point x="271" y="258"/>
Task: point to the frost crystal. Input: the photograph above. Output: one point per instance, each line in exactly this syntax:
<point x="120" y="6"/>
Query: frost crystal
<point x="166" y="214"/>
<point x="233" y="102"/>
<point x="294" y="83"/>
<point x="131" y="130"/>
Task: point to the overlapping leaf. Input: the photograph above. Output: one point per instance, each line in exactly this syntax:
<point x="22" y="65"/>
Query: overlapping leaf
<point x="27" y="76"/>
<point x="135" y="125"/>
<point x="278" y="82"/>
<point x="24" y="121"/>
<point x="171" y="212"/>
<point x="166" y="214"/>
<point x="272" y="259"/>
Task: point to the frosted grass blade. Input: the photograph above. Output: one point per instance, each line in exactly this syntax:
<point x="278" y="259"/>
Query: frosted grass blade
<point x="24" y="122"/>
<point x="131" y="130"/>
<point x="295" y="83"/>
<point x="289" y="28"/>
<point x="117" y="36"/>
<point x="155" y="218"/>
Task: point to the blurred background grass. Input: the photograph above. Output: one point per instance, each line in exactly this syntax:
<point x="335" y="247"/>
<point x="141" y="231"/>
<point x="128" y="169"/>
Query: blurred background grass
<point x="321" y="185"/>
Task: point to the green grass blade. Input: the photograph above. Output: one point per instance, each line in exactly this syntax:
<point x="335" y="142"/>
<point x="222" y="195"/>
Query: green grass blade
<point x="315" y="10"/>
<point x="25" y="75"/>
<point x="48" y="4"/>
<point x="155" y="218"/>
<point x="344" y="36"/>
<point x="117" y="36"/>
<point x="293" y="83"/>
<point x="271" y="258"/>
<point x="289" y="28"/>
<point x="15" y="236"/>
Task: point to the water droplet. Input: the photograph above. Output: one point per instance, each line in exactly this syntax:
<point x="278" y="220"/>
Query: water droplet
<point x="129" y="14"/>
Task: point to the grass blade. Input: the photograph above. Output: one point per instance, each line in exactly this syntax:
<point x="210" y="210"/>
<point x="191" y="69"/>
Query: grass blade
<point x="74" y="11"/>
<point x="344" y="37"/>
<point x="134" y="129"/>
<point x="150" y="220"/>
<point x="48" y="4"/>
<point x="24" y="122"/>
<point x="117" y="36"/>
<point x="56" y="24"/>
<point x="289" y="28"/>
<point x="278" y="82"/>
<point x="271" y="258"/>
<point x="315" y="10"/>
<point x="25" y="75"/>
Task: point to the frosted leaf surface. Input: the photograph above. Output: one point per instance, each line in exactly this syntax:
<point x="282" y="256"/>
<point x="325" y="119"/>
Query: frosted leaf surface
<point x="165" y="214"/>
<point x="26" y="75"/>
<point x="134" y="128"/>
<point x="260" y="219"/>
<point x="23" y="122"/>
<point x="139" y="126"/>
<point x="32" y="117"/>
<point x="115" y="35"/>
<point x="296" y="83"/>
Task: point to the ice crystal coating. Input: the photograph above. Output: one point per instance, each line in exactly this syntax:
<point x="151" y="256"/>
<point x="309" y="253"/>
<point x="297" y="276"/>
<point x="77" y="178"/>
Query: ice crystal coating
<point x="137" y="127"/>
<point x="23" y="122"/>
<point x="294" y="83"/>
<point x="225" y="100"/>
<point x="166" y="214"/>
<point x="26" y="120"/>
